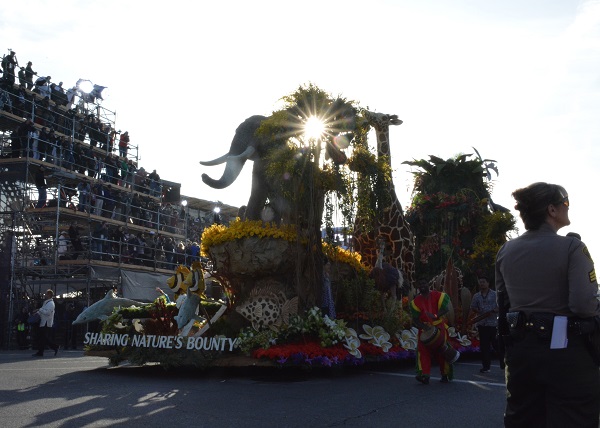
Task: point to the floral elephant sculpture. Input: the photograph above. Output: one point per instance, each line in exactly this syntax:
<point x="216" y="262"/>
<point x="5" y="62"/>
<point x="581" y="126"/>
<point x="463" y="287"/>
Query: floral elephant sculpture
<point x="246" y="145"/>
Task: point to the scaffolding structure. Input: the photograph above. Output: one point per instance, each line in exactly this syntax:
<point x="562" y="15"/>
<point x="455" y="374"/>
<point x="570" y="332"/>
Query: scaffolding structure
<point x="131" y="237"/>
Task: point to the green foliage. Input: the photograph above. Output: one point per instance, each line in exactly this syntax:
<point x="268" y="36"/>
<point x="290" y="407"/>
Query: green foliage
<point x="450" y="176"/>
<point x="357" y="295"/>
<point x="293" y="161"/>
<point x="392" y="318"/>
<point x="250" y="339"/>
<point x="159" y="305"/>
<point x="492" y="232"/>
<point x="450" y="216"/>
<point x="311" y="325"/>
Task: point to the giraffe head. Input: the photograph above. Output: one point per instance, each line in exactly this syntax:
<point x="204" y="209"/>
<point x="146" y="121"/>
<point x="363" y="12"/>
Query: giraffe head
<point x="381" y="120"/>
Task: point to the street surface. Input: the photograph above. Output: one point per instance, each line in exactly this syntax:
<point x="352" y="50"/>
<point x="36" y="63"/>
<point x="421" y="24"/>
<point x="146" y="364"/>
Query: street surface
<point x="71" y="390"/>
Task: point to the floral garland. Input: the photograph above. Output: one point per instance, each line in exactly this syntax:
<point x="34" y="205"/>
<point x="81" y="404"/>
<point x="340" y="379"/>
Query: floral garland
<point x="338" y="254"/>
<point x="239" y="229"/>
<point x="321" y="341"/>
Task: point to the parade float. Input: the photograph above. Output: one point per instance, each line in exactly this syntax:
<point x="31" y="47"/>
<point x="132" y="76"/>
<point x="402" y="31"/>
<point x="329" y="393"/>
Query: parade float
<point x="320" y="195"/>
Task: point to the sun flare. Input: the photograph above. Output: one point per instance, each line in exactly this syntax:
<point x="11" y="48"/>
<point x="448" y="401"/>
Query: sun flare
<point x="314" y="128"/>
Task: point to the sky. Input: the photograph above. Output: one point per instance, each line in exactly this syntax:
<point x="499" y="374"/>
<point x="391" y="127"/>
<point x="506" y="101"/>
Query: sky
<point x="519" y="80"/>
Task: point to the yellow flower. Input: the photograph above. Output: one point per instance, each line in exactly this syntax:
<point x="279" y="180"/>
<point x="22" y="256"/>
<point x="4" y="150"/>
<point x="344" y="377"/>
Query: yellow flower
<point x="218" y="234"/>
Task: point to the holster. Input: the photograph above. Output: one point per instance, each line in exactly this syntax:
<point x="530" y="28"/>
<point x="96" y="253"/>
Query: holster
<point x="516" y="325"/>
<point x="592" y="341"/>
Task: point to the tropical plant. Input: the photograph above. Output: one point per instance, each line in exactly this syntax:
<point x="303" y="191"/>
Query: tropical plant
<point x="451" y="215"/>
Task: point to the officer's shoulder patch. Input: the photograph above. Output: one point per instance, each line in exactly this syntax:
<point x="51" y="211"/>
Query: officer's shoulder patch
<point x="586" y="253"/>
<point x="592" y="275"/>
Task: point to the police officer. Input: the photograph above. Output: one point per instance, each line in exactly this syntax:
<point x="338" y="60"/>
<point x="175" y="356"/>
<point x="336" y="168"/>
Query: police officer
<point x="548" y="280"/>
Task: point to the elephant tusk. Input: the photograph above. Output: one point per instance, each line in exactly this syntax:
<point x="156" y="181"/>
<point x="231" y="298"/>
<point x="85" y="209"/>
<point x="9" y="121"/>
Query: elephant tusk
<point x="234" y="166"/>
<point x="244" y="139"/>
<point x="246" y="154"/>
<point x="216" y="161"/>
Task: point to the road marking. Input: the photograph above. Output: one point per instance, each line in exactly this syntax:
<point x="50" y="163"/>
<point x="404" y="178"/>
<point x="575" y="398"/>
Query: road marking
<point x="471" y="382"/>
<point x="71" y="368"/>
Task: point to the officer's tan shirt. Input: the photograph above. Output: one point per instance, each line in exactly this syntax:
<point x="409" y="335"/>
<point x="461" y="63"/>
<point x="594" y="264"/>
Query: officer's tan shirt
<point x="542" y="271"/>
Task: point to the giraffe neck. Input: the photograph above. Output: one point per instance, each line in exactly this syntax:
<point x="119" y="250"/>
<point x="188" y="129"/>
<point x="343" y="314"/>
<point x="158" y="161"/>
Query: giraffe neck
<point x="383" y="141"/>
<point x="383" y="149"/>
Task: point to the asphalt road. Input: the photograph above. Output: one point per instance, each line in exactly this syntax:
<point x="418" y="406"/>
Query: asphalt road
<point x="72" y="390"/>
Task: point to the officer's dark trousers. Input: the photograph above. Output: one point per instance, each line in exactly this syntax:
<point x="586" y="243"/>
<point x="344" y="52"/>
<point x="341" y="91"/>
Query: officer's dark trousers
<point x="551" y="387"/>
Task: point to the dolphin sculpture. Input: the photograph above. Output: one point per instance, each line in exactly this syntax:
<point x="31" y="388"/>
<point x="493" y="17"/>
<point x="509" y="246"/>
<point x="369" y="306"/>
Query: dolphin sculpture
<point x="188" y="312"/>
<point x="102" y="309"/>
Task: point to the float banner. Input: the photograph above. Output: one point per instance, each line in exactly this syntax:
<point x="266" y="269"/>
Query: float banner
<point x="225" y="344"/>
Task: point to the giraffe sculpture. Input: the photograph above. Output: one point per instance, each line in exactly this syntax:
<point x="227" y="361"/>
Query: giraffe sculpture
<point x="389" y="223"/>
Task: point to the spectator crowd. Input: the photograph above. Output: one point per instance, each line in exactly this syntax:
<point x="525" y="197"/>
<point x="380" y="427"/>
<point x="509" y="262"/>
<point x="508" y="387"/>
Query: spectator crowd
<point x="63" y="127"/>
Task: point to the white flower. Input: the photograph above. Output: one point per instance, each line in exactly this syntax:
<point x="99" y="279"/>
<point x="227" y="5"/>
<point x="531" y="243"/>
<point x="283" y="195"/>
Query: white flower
<point x="137" y="325"/>
<point x="464" y="340"/>
<point x="350" y="332"/>
<point x="385" y="345"/>
<point x="408" y="339"/>
<point x="452" y="332"/>
<point x="374" y="333"/>
<point x="368" y="330"/>
<point x="377" y="336"/>
<point x="329" y="322"/>
<point x="352" y="343"/>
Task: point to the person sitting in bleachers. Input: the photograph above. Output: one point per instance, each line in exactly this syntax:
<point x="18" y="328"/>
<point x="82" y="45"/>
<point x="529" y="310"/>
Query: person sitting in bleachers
<point x="84" y="190"/>
<point x="62" y="246"/>
<point x="43" y="143"/>
<point x="140" y="180"/>
<point x="154" y="184"/>
<point x="42" y="86"/>
<point x="58" y="95"/>
<point x="20" y="137"/>
<point x="23" y="105"/>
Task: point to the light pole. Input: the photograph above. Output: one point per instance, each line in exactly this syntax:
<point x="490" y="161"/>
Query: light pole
<point x="185" y="215"/>
<point x="216" y="216"/>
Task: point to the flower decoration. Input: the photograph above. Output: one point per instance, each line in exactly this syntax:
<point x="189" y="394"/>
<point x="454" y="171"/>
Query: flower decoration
<point x="408" y="338"/>
<point x="352" y="343"/>
<point x="452" y="332"/>
<point x="341" y="255"/>
<point x="238" y="229"/>
<point x="377" y="336"/>
<point x="463" y="340"/>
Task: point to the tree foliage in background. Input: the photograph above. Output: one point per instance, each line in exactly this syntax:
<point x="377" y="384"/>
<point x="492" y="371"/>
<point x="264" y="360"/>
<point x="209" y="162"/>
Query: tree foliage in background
<point x="451" y="215"/>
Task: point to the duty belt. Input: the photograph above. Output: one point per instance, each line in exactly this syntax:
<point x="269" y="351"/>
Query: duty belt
<point x="541" y="323"/>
